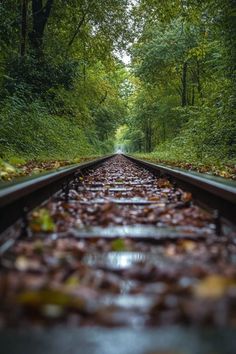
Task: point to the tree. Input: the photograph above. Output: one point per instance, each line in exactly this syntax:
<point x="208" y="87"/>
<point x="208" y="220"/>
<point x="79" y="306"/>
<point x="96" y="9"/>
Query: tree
<point x="40" y="14"/>
<point x="183" y="58"/>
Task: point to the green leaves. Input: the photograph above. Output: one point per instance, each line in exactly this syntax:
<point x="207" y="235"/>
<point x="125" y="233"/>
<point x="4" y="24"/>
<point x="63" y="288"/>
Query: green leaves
<point x="63" y="100"/>
<point x="180" y="60"/>
<point x="42" y="221"/>
<point x="7" y="171"/>
<point x="118" y="245"/>
<point x="50" y="302"/>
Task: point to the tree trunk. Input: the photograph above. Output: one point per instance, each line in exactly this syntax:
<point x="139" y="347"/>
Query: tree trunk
<point x="184" y="84"/>
<point x="149" y="135"/>
<point x="146" y="138"/>
<point x="24" y="15"/>
<point x="41" y="15"/>
<point x="193" y="96"/>
<point x="199" y="86"/>
<point x="150" y="139"/>
<point x="164" y="131"/>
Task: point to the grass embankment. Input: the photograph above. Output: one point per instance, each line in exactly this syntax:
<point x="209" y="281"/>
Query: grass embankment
<point x="32" y="140"/>
<point x="28" y="133"/>
<point x="20" y="168"/>
<point x="209" y="165"/>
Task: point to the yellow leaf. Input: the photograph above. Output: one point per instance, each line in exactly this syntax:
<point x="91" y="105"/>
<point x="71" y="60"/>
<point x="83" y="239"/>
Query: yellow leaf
<point x="49" y="297"/>
<point x="213" y="286"/>
<point x="188" y="245"/>
<point x="72" y="281"/>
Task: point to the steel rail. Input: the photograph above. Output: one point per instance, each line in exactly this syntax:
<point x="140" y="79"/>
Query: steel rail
<point x="28" y="194"/>
<point x="208" y="193"/>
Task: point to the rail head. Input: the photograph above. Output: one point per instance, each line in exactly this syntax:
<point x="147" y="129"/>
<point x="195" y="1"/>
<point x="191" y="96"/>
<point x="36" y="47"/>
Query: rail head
<point x="209" y="193"/>
<point x="30" y="193"/>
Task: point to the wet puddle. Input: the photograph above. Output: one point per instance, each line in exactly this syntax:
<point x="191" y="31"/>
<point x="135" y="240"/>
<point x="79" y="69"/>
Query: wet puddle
<point x="141" y="232"/>
<point x="123" y="201"/>
<point x="139" y="302"/>
<point x="115" y="260"/>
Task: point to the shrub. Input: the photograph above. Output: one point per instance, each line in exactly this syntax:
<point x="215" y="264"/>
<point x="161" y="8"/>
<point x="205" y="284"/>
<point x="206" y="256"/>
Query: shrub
<point x="28" y="131"/>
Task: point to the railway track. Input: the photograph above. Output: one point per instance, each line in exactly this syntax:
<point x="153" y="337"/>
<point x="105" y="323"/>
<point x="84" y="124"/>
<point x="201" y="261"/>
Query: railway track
<point x="119" y="244"/>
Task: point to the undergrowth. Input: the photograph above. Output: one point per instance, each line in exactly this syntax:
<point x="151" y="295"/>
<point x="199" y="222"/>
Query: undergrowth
<point x="28" y="131"/>
<point x="171" y="155"/>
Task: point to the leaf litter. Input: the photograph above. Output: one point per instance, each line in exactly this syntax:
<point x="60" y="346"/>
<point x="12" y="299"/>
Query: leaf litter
<point x="57" y="276"/>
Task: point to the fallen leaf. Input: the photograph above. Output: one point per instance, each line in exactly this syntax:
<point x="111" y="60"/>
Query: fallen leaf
<point x="49" y="297"/>
<point x="42" y="221"/>
<point x="213" y="286"/>
<point x="118" y="245"/>
<point x="186" y="197"/>
<point x="188" y="245"/>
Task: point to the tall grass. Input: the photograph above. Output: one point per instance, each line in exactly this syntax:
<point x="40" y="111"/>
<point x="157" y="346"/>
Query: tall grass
<point x="28" y="131"/>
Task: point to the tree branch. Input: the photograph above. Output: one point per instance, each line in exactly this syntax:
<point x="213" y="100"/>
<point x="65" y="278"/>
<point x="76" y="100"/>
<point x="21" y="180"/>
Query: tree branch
<point x="103" y="98"/>
<point x="81" y="22"/>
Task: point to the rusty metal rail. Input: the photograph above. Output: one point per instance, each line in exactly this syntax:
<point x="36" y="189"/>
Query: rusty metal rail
<point x="206" y="192"/>
<point x="30" y="193"/>
<point x="212" y="194"/>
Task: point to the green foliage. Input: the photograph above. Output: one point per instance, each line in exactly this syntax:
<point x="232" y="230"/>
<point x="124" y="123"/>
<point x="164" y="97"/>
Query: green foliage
<point x="64" y="93"/>
<point x="118" y="245"/>
<point x="183" y="106"/>
<point x="61" y="92"/>
<point x="6" y="170"/>
<point x="167" y="48"/>
<point x="32" y="78"/>
<point x="42" y="221"/>
<point x="29" y="131"/>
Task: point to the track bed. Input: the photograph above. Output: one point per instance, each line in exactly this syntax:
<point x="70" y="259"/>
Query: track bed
<point x="119" y="247"/>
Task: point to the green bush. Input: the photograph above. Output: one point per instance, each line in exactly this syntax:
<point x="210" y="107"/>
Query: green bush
<point x="28" y="131"/>
<point x="206" y="137"/>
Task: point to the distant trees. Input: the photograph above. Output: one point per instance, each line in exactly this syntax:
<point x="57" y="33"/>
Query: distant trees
<point x="58" y="57"/>
<point x="183" y="60"/>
